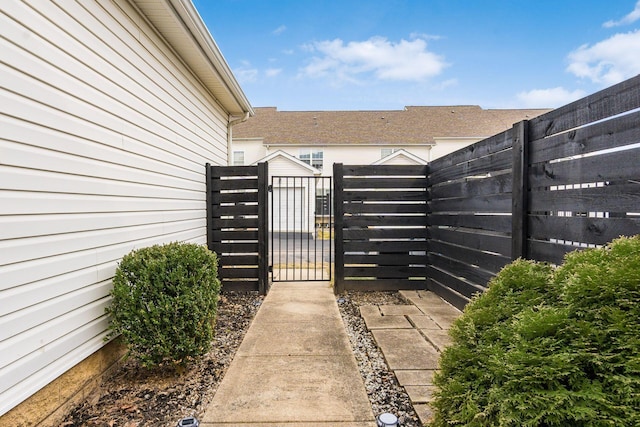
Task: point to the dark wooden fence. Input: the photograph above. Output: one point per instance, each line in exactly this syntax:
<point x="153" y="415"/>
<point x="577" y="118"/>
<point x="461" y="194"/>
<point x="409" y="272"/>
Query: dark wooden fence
<point x="380" y="227"/>
<point x="566" y="180"/>
<point x="237" y="230"/>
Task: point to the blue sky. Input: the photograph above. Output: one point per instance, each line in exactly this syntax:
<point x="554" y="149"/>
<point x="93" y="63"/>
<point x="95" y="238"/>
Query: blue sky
<point x="384" y="55"/>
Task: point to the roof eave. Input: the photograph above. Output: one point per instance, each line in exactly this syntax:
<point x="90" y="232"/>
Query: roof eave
<point x="180" y="24"/>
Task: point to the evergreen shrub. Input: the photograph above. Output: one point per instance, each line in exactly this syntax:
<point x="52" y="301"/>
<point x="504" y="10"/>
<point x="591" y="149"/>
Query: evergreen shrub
<point x="165" y="301"/>
<point x="548" y="347"/>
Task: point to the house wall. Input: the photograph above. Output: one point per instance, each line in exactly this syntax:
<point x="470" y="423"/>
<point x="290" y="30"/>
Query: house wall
<point x="104" y="138"/>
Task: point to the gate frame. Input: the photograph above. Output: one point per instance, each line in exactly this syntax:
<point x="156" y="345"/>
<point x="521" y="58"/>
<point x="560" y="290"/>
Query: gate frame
<point x="312" y="183"/>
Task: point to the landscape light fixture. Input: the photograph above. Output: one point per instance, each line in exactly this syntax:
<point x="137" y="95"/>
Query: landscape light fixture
<point x="188" y="422"/>
<point x="387" y="420"/>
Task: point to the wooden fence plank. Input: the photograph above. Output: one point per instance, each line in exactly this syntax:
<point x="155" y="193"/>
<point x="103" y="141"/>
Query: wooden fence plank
<point x="582" y="229"/>
<point x="609" y="198"/>
<point x="613" y="133"/>
<point x="498" y="184"/>
<point x="609" y="102"/>
<point x="385" y="182"/>
<point x="388" y="208"/>
<point x="616" y="166"/>
<point x="498" y="162"/>
<point x="385" y="170"/>
<point x="478" y="204"/>
<point x="486" y="147"/>
<point x="478" y="240"/>
<point x="497" y="222"/>
<point x="489" y="261"/>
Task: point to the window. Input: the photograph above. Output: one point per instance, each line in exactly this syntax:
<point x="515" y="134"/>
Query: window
<point x="312" y="156"/>
<point x="238" y="158"/>
<point x="387" y="152"/>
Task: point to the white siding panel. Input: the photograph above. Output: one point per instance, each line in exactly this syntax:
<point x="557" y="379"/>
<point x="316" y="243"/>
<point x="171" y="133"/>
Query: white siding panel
<point x="105" y="133"/>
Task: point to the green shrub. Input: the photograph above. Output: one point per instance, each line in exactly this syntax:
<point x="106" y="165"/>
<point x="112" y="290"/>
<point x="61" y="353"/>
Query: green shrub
<point x="165" y="301"/>
<point x="544" y="347"/>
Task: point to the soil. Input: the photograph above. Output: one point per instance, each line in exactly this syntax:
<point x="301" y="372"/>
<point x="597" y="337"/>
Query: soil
<point x="134" y="396"/>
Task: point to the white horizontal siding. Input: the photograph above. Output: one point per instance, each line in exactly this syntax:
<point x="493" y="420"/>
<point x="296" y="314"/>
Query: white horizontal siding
<point x="105" y="133"/>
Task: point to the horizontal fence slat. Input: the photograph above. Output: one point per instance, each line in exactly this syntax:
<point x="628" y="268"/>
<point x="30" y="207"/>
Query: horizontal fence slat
<point x="487" y="222"/>
<point x="226" y="172"/>
<point x="486" y="147"/>
<point x="385" y="233"/>
<point x="453" y="281"/>
<point x="244" y="259"/>
<point x="384" y="220"/>
<point x="617" y="132"/>
<point x="233" y="273"/>
<point x="219" y="185"/>
<point x="616" y="166"/>
<point x="386" y="246"/>
<point x="609" y="102"/>
<point x="582" y="229"/>
<point x="462" y="269"/>
<point x="452" y="297"/>
<point x="385" y="272"/>
<point x="235" y="210"/>
<point x="473" y="239"/>
<point x="385" y="170"/>
<point x="498" y="184"/>
<point x="487" y="260"/>
<point x="385" y="207"/>
<point x="245" y="197"/>
<point x="220" y="223"/>
<point x="609" y="198"/>
<point x="385" y="196"/>
<point x="385" y="183"/>
<point x="394" y="259"/>
<point x="235" y="235"/>
<point x="479" y="203"/>
<point x="497" y="162"/>
<point x="236" y="247"/>
<point x="548" y="251"/>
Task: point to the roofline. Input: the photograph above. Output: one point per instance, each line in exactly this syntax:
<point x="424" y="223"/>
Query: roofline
<point x="195" y="30"/>
<point x="295" y="160"/>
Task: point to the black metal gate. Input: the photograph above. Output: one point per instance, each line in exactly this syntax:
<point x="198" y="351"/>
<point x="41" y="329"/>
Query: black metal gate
<point x="301" y="228"/>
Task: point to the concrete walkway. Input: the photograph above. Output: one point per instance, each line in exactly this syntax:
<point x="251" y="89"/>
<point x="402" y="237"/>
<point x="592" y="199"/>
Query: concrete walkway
<point x="411" y="338"/>
<point x="295" y="365"/>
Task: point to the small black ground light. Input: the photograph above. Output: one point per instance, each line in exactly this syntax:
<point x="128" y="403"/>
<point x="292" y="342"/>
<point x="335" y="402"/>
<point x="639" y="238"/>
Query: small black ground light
<point x="188" y="422"/>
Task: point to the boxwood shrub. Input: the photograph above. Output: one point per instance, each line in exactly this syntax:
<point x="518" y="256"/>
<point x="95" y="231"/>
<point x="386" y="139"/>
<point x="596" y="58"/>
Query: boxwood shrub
<point x="548" y="347"/>
<point x="165" y="301"/>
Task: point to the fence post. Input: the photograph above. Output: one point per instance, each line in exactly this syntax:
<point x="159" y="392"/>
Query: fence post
<point x="338" y="209"/>
<point x="520" y="190"/>
<point x="263" y="228"/>
<point x="208" y="208"/>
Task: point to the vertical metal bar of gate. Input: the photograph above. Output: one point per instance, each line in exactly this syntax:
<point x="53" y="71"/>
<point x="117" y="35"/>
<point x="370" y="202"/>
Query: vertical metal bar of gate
<point x="301" y="228"/>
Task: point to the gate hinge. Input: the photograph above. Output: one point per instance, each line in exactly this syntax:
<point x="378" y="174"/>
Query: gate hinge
<point x="270" y="188"/>
<point x="271" y="269"/>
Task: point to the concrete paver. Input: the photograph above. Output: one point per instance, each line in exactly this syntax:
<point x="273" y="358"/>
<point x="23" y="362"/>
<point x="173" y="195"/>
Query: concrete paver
<point x="406" y="349"/>
<point x="415" y="377"/>
<point x="295" y="365"/>
<point x="413" y="353"/>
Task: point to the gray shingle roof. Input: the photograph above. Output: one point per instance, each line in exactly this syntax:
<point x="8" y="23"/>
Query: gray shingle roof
<point x="413" y="125"/>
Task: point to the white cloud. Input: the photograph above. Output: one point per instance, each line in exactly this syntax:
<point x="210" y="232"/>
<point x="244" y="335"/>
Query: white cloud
<point x="272" y="72"/>
<point x="545" y="98"/>
<point x="404" y="60"/>
<point x="246" y="73"/>
<point x="609" y="61"/>
<point x="281" y="29"/>
<point x="630" y="18"/>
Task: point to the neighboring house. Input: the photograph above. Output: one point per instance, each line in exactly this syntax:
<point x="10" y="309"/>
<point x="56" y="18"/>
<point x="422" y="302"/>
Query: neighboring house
<point x="110" y="110"/>
<point x="321" y="138"/>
